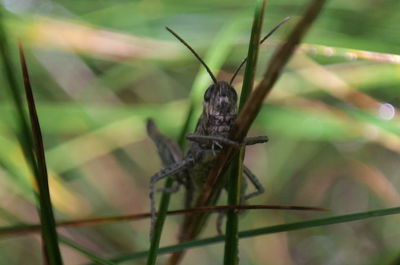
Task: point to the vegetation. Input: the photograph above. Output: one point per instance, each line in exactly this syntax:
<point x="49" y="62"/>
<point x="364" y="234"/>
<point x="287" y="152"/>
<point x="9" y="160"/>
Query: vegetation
<point x="99" y="69"/>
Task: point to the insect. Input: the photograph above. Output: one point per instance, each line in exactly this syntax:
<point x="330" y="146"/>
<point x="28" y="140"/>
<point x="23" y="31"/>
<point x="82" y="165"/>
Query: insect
<point x="211" y="134"/>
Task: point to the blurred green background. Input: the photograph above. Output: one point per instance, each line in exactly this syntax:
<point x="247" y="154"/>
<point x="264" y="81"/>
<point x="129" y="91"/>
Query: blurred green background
<point x="100" y="68"/>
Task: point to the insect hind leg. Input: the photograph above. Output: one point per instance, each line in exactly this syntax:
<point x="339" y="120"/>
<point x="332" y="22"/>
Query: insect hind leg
<point x="256" y="183"/>
<point x="168" y="151"/>
<point x="259" y="190"/>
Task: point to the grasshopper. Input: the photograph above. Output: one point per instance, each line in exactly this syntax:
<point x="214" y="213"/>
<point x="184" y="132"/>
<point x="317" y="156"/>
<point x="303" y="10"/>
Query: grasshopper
<point x="210" y="136"/>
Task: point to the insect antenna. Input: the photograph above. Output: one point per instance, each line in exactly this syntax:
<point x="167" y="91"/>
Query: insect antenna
<point x="194" y="53"/>
<point x="261" y="41"/>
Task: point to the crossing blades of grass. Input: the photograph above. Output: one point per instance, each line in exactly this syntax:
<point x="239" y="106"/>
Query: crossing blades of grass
<point x="87" y="253"/>
<point x="23" y="229"/>
<point x="265" y="231"/>
<point x="235" y="177"/>
<point x="214" y="183"/>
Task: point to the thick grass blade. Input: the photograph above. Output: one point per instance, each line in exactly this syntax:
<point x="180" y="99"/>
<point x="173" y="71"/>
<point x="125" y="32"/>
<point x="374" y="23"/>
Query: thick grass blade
<point x="265" y="231"/>
<point x="161" y="215"/>
<point x="235" y="178"/>
<point x="32" y="142"/>
<point x="252" y="55"/>
<point x="49" y="232"/>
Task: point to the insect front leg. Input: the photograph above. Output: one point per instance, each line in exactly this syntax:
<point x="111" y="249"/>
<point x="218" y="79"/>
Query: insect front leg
<point x="171" y="170"/>
<point x="170" y="155"/>
<point x="206" y="139"/>
<point x="255" y="140"/>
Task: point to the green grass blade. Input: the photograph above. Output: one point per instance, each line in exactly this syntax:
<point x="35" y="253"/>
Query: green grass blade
<point x="232" y="223"/>
<point x="235" y="179"/>
<point x="161" y="215"/>
<point x="49" y="232"/>
<point x="50" y="243"/>
<point x="268" y="230"/>
<point x="252" y="55"/>
<point x="23" y="131"/>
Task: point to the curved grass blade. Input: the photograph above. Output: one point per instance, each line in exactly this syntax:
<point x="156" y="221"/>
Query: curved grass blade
<point x="46" y="209"/>
<point x="231" y="251"/>
<point x="267" y="230"/>
<point x="31" y="142"/>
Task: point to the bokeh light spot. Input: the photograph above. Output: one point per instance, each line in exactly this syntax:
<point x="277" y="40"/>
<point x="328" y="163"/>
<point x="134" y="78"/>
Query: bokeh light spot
<point x="386" y="111"/>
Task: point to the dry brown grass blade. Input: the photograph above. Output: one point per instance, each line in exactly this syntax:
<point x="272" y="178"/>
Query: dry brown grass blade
<point x="34" y="228"/>
<point x="193" y="223"/>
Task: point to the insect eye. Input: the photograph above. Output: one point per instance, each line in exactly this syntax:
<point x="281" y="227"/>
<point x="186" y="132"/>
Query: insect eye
<point x="207" y="95"/>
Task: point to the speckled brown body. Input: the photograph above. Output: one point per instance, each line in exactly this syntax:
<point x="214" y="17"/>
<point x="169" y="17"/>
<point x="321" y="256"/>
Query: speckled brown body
<point x="219" y="113"/>
<point x="212" y="132"/>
